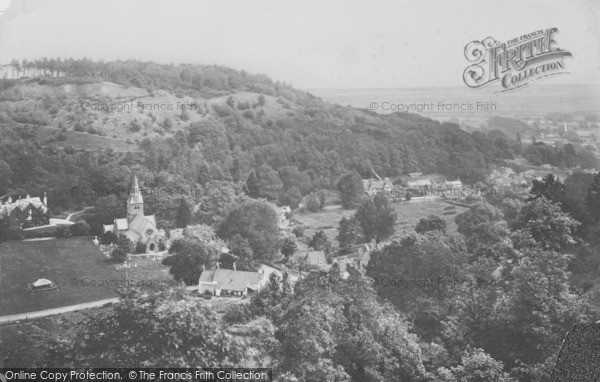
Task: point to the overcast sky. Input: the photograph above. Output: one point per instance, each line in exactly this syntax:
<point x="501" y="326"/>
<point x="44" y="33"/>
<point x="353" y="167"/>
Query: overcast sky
<point x="308" y="43"/>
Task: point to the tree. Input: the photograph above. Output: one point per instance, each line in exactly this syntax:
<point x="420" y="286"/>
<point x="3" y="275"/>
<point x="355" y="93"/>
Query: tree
<point x="351" y="189"/>
<point x="291" y="197"/>
<point x="140" y="247"/>
<point x="592" y="198"/>
<point x="377" y="218"/>
<point x="187" y="259"/>
<point x="124" y="244"/>
<point x="289" y="247"/>
<point x="431" y="223"/>
<point x="108" y="237"/>
<point x="334" y="329"/>
<point x="476" y="365"/>
<point x="109" y="208"/>
<point x="349" y="233"/>
<point x="479" y="213"/>
<point x="184" y="214"/>
<point x="118" y="255"/>
<point x="257" y="222"/>
<point x="312" y="203"/>
<point x="252" y="189"/>
<point x="543" y="223"/>
<point x="320" y="242"/>
<point x="269" y="184"/>
<point x="420" y="275"/>
<point x="161" y="329"/>
<point x="204" y="174"/>
<point x="80" y="228"/>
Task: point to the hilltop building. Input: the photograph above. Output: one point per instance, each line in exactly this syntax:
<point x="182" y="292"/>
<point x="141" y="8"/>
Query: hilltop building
<point x="24" y="213"/>
<point x="137" y="227"/>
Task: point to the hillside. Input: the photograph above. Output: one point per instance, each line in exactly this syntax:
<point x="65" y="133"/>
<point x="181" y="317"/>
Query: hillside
<point x="182" y="126"/>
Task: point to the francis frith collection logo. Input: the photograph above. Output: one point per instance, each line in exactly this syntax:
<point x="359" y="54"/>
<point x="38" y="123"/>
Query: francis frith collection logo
<point x="514" y="63"/>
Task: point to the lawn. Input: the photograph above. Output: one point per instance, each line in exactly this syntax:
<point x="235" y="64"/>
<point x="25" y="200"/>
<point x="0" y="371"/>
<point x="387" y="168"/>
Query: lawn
<point x="408" y="214"/>
<point x="69" y="263"/>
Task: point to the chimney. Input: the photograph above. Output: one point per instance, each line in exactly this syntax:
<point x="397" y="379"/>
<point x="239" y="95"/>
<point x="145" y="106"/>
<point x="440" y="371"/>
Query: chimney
<point x="218" y="265"/>
<point x="203" y="268"/>
<point x="45" y="200"/>
<point x="234" y="266"/>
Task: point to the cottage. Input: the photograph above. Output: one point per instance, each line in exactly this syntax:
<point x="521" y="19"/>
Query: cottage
<point x="419" y="185"/>
<point x="372" y="187"/>
<point x="230" y="282"/>
<point x="24" y="213"/>
<point x="454" y="185"/>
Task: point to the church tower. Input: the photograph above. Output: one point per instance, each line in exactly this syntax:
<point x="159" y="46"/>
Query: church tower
<point x="135" y="202"/>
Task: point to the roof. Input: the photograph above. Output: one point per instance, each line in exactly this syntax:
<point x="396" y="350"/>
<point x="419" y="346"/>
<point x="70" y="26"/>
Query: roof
<point x="579" y="355"/>
<point x="42" y="282"/>
<point x="368" y="183"/>
<point x="228" y="279"/>
<point x="419" y="183"/>
<point x="136" y="195"/>
<point x="316" y="258"/>
<point x="22" y="204"/>
<point x="122" y="224"/>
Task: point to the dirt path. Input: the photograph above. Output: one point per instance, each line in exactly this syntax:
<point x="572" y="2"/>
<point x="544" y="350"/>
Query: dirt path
<point x="50" y="312"/>
<point x="62" y="309"/>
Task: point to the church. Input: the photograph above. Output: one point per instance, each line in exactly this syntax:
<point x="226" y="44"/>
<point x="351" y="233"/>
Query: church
<point x="137" y="227"/>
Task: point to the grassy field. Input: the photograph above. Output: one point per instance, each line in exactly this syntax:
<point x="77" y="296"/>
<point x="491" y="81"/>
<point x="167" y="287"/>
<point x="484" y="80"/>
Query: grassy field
<point x="66" y="262"/>
<point x="409" y="215"/>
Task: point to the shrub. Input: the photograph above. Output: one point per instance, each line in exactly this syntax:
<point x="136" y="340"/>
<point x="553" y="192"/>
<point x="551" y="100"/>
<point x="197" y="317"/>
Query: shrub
<point x="81" y="228"/>
<point x="118" y="255"/>
<point x="108" y="237"/>
<point x="184" y="116"/>
<point x="243" y="105"/>
<point x="298" y="231"/>
<point x="140" y="247"/>
<point x="248" y="114"/>
<point x="237" y="314"/>
<point x="134" y="126"/>
<point x="221" y="110"/>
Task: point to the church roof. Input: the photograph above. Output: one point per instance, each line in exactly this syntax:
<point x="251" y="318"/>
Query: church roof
<point x="228" y="279"/>
<point x="142" y="228"/>
<point x="122" y="224"/>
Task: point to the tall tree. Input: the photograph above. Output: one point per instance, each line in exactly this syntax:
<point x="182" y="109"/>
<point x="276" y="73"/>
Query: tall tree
<point x="377" y="218"/>
<point x="351" y="189"/>
<point x="184" y="214"/>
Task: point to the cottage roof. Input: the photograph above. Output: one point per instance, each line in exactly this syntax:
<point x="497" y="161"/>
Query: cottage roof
<point x="315" y="258"/>
<point x="228" y="279"/>
<point x="419" y="183"/>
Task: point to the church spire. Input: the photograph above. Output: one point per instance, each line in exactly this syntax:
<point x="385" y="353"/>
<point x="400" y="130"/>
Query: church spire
<point x="135" y="202"/>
